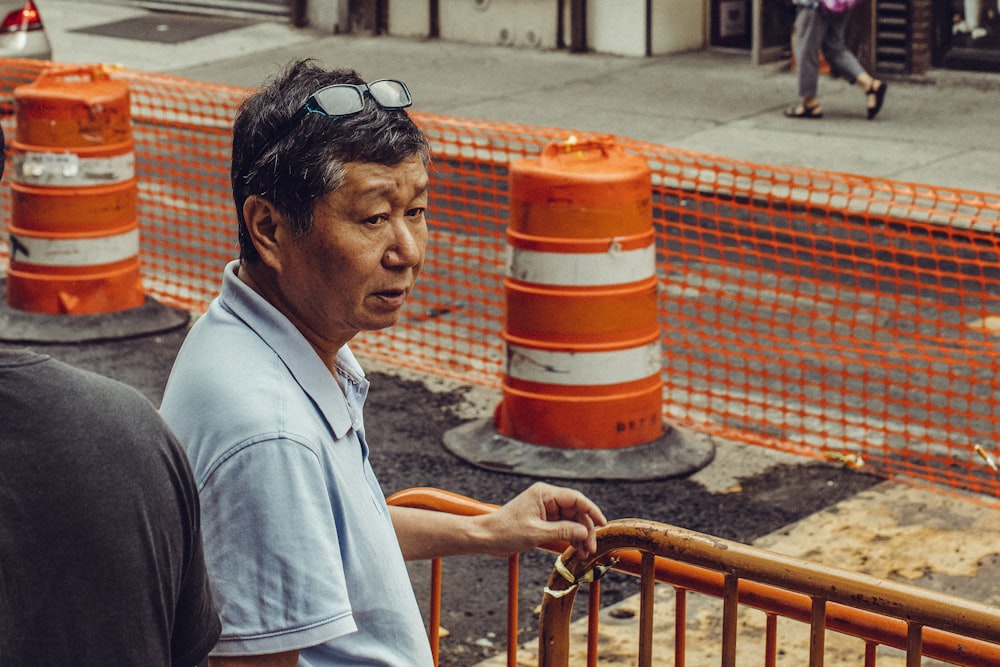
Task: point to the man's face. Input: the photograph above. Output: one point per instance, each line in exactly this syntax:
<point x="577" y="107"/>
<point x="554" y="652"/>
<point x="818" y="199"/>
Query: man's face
<point x="356" y="267"/>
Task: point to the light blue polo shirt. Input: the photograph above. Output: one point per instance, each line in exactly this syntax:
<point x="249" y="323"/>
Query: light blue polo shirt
<point x="298" y="540"/>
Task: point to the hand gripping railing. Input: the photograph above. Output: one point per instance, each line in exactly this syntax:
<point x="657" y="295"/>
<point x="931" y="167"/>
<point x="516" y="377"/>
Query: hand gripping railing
<point x="915" y="620"/>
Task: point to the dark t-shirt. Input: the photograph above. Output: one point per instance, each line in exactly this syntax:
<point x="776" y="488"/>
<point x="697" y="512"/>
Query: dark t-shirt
<point x="100" y="542"/>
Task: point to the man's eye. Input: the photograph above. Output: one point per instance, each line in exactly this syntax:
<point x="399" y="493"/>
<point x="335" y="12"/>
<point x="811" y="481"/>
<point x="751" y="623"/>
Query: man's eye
<point x="375" y="220"/>
<point x="415" y="212"/>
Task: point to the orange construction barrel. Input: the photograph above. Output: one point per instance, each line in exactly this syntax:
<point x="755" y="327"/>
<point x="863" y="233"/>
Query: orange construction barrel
<point x="74" y="236"/>
<point x="581" y="329"/>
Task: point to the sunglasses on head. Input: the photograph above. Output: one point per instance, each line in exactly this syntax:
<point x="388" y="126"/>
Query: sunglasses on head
<point x="341" y="100"/>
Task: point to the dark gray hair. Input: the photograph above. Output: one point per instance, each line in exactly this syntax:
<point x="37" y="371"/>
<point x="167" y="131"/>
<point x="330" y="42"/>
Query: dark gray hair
<point x="308" y="163"/>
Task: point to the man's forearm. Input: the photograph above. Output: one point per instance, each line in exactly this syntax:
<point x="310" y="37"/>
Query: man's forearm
<point x="425" y="534"/>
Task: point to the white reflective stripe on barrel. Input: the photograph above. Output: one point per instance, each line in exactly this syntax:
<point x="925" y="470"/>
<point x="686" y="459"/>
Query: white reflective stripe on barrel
<point x="63" y="169"/>
<point x="583" y="368"/>
<point x="87" y="251"/>
<point x="614" y="267"/>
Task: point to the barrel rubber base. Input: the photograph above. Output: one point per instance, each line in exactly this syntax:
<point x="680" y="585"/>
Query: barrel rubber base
<point x="677" y="453"/>
<point x="21" y="326"/>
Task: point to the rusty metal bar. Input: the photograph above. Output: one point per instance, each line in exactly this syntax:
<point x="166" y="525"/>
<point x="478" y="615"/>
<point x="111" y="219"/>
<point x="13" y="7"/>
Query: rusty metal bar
<point x="434" y="622"/>
<point x="914" y="641"/>
<point x="846" y="618"/>
<point x="771" y="640"/>
<point x="730" y="616"/>
<point x="553" y="634"/>
<point x="871" y="653"/>
<point x="680" y="627"/>
<point x="593" y="622"/>
<point x="647" y="590"/>
<point x="817" y="632"/>
<point x="513" y="579"/>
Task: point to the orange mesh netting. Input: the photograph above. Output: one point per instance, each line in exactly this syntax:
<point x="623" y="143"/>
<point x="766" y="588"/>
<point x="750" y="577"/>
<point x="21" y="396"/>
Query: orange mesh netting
<point x="833" y="315"/>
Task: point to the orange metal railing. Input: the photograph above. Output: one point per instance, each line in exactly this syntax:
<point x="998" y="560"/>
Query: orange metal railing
<point x="880" y="612"/>
<point x="833" y="315"/>
<point x="453" y="503"/>
<point x="918" y="621"/>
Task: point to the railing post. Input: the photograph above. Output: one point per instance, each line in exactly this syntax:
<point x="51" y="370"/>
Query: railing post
<point x="730" y="615"/>
<point x="648" y="583"/>
<point x="817" y="632"/>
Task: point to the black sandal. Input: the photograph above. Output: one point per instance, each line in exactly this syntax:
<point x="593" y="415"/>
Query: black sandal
<point x="877" y="96"/>
<point x="802" y="111"/>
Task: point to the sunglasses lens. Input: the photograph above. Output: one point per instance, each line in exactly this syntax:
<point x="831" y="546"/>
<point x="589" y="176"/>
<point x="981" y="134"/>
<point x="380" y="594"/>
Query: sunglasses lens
<point x="340" y="100"/>
<point x="390" y="93"/>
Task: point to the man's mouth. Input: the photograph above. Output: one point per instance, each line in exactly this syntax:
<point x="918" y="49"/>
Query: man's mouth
<point x="392" y="297"/>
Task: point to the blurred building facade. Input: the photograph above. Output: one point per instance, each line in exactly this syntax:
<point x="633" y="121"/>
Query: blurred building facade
<point x="891" y="37"/>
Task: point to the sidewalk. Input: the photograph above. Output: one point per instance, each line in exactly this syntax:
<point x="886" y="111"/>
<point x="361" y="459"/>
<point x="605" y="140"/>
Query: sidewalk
<point x="941" y="130"/>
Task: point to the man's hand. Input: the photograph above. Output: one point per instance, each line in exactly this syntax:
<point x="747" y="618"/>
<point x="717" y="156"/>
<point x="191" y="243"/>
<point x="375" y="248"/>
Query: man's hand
<point x="543" y="513"/>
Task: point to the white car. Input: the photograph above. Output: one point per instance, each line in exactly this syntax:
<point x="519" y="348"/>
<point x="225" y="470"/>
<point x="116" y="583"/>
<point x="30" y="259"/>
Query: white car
<point x="22" y="34"/>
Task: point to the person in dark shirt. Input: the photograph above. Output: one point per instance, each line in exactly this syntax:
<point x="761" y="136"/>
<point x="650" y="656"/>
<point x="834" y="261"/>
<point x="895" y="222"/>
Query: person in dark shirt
<point x="101" y="559"/>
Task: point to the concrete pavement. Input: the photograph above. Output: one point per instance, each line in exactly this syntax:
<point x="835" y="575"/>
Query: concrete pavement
<point x="940" y="130"/>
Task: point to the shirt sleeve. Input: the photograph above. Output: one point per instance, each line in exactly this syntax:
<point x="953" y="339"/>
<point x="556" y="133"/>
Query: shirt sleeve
<point x="272" y="548"/>
<point x="196" y="621"/>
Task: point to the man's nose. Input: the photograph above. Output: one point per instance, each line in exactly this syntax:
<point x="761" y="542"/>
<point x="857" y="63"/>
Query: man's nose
<point x="407" y="245"/>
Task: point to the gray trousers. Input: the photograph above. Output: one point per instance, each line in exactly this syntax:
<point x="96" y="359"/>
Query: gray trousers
<point x="816" y="30"/>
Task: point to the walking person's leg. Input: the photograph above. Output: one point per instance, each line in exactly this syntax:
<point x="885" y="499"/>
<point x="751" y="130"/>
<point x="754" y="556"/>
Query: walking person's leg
<point x="809" y="30"/>
<point x="846" y="65"/>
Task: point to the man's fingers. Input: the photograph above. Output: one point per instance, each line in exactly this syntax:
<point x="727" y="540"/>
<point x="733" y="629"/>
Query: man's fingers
<point x="570" y="504"/>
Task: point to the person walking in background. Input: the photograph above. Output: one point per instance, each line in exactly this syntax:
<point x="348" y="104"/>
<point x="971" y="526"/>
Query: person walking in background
<point x="820" y="25"/>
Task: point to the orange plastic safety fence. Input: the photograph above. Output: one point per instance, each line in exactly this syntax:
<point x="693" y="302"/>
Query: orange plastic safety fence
<point x="833" y="315"/>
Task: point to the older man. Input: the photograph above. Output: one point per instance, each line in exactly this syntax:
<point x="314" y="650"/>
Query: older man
<point x="330" y="183"/>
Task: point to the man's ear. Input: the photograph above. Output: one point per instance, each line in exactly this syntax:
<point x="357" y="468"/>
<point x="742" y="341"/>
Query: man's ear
<point x="265" y="225"/>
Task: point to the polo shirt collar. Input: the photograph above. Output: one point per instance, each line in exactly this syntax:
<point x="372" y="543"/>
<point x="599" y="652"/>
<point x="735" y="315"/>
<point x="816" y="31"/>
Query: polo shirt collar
<point x="341" y="408"/>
